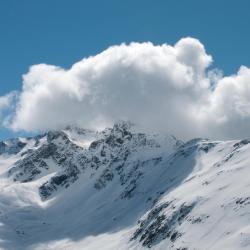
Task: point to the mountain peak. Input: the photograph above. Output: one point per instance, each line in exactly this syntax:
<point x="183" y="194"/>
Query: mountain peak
<point x="123" y="187"/>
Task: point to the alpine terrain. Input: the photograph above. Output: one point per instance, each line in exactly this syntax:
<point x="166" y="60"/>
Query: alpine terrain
<point x="121" y="189"/>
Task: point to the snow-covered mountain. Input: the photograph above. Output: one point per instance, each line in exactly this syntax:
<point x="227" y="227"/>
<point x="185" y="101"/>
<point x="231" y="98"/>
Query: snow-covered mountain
<point x="123" y="189"/>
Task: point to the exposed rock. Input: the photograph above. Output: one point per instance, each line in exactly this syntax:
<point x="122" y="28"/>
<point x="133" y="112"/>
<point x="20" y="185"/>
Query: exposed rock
<point x="162" y="223"/>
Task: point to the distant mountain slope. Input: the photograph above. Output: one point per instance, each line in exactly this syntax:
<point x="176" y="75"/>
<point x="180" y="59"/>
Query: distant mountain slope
<point x="123" y="189"/>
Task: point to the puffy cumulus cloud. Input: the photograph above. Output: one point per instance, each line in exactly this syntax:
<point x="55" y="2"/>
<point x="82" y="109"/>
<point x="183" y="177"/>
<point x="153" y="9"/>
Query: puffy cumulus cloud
<point x="161" y="87"/>
<point x="229" y="109"/>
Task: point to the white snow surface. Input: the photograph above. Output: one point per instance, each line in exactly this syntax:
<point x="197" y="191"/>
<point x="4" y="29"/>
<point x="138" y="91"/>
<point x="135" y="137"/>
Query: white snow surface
<point x="128" y="190"/>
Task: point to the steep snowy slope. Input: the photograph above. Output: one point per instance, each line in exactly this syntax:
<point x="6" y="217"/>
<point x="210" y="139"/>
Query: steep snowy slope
<point x="123" y="189"/>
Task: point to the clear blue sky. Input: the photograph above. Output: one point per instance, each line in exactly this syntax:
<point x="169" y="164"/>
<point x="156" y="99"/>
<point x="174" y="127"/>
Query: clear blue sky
<point x="62" y="32"/>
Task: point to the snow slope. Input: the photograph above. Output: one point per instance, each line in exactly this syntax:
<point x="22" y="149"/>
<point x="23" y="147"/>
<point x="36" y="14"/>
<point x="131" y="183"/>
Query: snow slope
<point x="123" y="189"/>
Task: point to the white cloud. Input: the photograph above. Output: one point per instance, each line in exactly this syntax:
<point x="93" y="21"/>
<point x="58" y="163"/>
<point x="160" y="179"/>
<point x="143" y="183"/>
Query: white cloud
<point x="6" y="100"/>
<point x="6" y="104"/>
<point x="163" y="87"/>
<point x="230" y="106"/>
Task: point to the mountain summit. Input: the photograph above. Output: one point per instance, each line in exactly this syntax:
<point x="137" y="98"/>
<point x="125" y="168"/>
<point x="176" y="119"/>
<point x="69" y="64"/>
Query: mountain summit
<point x="123" y="189"/>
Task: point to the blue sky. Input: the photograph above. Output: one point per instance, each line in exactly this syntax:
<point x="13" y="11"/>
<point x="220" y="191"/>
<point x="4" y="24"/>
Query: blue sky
<point x="61" y="32"/>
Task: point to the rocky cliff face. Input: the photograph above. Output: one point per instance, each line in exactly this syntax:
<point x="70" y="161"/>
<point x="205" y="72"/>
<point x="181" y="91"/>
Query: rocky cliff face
<point x="111" y="151"/>
<point x="123" y="189"/>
